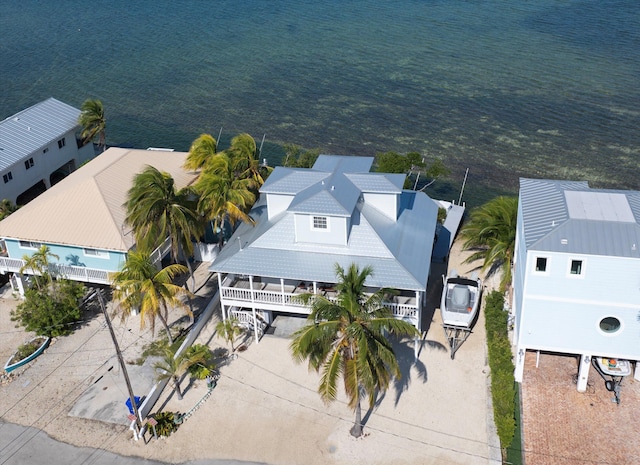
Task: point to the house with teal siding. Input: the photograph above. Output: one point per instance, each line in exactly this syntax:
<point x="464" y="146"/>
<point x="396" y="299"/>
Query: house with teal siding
<point x="81" y="219"/>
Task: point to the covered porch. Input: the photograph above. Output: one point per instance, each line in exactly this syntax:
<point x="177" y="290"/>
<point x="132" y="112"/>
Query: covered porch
<point x="254" y="299"/>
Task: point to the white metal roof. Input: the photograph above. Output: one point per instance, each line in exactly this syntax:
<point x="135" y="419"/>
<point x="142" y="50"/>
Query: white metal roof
<point x="399" y="251"/>
<point x="567" y="216"/>
<point x="33" y="128"/>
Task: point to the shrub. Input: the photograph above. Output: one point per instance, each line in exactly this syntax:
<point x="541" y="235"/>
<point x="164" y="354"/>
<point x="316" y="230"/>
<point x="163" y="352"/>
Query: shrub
<point x="166" y="424"/>
<point x="50" y="311"/>
<point x="501" y="364"/>
<point x="27" y="349"/>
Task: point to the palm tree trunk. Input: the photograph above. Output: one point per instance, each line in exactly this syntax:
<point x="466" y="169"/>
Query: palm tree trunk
<point x="166" y="327"/>
<point x="176" y="387"/>
<point x="356" y="431"/>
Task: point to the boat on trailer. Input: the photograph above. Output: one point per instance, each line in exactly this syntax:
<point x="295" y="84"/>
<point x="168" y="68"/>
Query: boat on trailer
<point x="613" y="371"/>
<point x="459" y="307"/>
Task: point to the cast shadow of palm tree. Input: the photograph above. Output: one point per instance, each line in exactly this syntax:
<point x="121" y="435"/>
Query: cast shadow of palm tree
<point x="406" y="361"/>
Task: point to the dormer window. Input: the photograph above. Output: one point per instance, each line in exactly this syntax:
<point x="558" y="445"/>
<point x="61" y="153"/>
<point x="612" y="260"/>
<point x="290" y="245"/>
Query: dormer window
<point x="319" y="222"/>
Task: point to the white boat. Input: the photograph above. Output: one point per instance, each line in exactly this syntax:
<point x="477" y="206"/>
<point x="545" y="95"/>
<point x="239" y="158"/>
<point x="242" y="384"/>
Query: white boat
<point x="460" y="300"/>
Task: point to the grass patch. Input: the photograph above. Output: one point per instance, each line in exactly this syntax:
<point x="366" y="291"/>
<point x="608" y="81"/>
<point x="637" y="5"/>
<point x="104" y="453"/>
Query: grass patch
<point x="514" y="451"/>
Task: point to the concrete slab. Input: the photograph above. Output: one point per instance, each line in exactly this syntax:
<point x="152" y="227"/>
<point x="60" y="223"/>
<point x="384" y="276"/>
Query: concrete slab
<point x="105" y="399"/>
<point x="285" y="326"/>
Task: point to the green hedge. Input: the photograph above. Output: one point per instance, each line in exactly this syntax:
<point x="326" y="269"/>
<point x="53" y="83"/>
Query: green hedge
<point x="503" y="390"/>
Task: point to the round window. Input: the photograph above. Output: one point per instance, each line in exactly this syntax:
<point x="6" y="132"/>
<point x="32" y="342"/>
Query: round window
<point x="610" y="324"/>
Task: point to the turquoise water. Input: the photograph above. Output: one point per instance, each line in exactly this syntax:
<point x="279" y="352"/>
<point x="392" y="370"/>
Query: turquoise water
<point x="545" y="88"/>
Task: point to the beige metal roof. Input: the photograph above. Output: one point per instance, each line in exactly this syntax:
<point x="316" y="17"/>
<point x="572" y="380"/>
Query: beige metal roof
<point x="85" y="209"/>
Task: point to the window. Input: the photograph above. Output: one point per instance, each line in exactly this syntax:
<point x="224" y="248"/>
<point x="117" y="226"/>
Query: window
<point x="28" y="163"/>
<point x="61" y="143"/>
<point x="30" y="245"/>
<point x="7" y="177"/>
<point x="319" y="222"/>
<point x="576" y="267"/>
<point x="610" y="324"/>
<point x="541" y="264"/>
<point x="96" y="253"/>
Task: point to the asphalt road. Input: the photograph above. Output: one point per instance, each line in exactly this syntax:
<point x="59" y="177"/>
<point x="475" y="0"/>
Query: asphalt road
<point x="20" y="445"/>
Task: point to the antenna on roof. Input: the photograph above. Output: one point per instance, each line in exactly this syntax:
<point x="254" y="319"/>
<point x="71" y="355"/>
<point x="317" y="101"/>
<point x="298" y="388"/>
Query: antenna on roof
<point x="219" y="136"/>
<point x="466" y="173"/>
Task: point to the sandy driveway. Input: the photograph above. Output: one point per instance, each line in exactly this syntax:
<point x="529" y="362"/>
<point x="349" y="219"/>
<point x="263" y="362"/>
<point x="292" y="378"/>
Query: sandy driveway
<point x="265" y="407"/>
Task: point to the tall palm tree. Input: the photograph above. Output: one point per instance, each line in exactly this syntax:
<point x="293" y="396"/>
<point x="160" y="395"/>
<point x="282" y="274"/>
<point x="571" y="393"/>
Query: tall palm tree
<point x="201" y="151"/>
<point x="223" y="196"/>
<point x="243" y="152"/>
<point x="139" y="285"/>
<point x="173" y="367"/>
<point x="157" y="210"/>
<point x="93" y="122"/>
<point x="347" y="339"/>
<point x="491" y="233"/>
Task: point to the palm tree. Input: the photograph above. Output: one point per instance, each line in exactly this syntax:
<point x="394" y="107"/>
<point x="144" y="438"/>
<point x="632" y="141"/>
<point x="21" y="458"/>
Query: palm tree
<point x="347" y="339"/>
<point x="243" y="153"/>
<point x="201" y="151"/>
<point x="229" y="330"/>
<point x="93" y="122"/>
<point x="141" y="286"/>
<point x="7" y="207"/>
<point x="173" y="367"/>
<point x="38" y="263"/>
<point x="157" y="210"/>
<point x="223" y="196"/>
<point x="491" y="233"/>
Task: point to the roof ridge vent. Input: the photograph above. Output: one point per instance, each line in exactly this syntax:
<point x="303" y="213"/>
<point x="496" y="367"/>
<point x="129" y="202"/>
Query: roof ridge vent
<point x="333" y="188"/>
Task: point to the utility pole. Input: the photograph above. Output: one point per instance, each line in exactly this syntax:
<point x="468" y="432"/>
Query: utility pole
<point x="121" y="360"/>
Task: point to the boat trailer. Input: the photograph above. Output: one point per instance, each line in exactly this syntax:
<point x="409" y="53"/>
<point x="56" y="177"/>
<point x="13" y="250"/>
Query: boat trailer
<point x="613" y="371"/>
<point x="456" y="335"/>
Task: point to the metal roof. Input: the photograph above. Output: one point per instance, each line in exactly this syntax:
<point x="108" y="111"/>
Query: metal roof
<point x="384" y="183"/>
<point x="399" y="251"/>
<point x="568" y="216"/>
<point x="33" y="128"/>
<point x="85" y="208"/>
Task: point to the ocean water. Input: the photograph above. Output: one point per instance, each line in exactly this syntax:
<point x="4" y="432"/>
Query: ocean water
<point x="545" y="88"/>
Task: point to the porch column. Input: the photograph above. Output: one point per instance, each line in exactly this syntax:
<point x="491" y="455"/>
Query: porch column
<point x="224" y="315"/>
<point x="583" y="372"/>
<point x="20" y="284"/>
<point x="253" y="309"/>
<point x="416" y="347"/>
<point x="519" y="371"/>
<point x="282" y="289"/>
<point x="315" y="287"/>
<point x="636" y="373"/>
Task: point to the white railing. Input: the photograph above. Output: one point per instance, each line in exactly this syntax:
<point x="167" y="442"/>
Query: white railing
<point x="74" y="273"/>
<point x="161" y="251"/>
<point x="235" y="294"/>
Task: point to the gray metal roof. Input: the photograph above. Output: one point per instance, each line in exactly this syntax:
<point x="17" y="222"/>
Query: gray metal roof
<point x="343" y="164"/>
<point x="378" y="182"/>
<point x="567" y="216"/>
<point x="33" y="128"/>
<point x="291" y="181"/>
<point x="399" y="252"/>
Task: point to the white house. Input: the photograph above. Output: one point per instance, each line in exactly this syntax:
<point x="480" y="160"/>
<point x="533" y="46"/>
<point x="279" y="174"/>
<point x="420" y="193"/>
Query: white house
<point x="81" y="219"/>
<point x="577" y="273"/>
<point x="307" y="220"/>
<point x="38" y="147"/>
